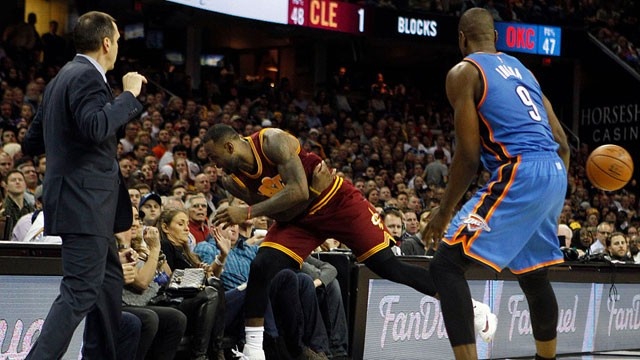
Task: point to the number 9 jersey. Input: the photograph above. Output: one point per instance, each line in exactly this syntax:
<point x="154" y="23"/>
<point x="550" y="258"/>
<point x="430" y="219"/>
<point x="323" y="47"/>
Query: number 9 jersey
<point x="510" y="88"/>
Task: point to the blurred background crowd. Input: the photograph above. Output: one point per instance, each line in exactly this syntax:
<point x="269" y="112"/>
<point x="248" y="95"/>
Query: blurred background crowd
<point x="393" y="139"/>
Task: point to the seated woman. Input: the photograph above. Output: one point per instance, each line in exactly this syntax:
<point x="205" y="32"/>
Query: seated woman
<point x="617" y="247"/>
<point x="162" y="327"/>
<point x="205" y="311"/>
<point x="582" y="240"/>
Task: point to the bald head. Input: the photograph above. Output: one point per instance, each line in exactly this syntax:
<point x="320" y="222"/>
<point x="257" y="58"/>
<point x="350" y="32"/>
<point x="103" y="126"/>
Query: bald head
<point x="476" y="26"/>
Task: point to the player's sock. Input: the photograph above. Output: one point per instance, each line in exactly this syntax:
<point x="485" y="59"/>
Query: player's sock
<point x="253" y="342"/>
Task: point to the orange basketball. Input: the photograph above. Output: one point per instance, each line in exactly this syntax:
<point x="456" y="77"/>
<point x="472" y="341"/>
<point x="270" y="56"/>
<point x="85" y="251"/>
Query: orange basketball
<point x="609" y="167"/>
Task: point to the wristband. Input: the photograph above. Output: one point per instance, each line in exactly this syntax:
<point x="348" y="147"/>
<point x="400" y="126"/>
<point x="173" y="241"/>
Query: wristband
<point x="217" y="261"/>
<point x="249" y="213"/>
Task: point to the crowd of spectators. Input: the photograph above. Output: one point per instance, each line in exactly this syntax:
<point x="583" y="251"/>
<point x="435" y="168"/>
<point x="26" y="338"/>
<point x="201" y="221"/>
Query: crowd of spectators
<point x="393" y="143"/>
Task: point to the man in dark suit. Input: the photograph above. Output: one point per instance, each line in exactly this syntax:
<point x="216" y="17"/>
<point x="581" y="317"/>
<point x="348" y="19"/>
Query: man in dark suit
<point x="85" y="201"/>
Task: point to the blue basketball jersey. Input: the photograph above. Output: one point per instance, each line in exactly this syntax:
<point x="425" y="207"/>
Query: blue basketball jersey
<point x="510" y="88"/>
<point x="512" y="221"/>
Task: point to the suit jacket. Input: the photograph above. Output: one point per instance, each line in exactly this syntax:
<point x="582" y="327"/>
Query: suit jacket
<point x="83" y="190"/>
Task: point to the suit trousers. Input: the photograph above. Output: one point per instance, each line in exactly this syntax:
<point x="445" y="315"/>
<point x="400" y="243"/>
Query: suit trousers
<point x="91" y="287"/>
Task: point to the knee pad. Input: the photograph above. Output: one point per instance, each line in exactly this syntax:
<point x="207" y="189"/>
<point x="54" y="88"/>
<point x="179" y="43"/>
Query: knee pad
<point x="543" y="306"/>
<point x="534" y="282"/>
<point x="448" y="259"/>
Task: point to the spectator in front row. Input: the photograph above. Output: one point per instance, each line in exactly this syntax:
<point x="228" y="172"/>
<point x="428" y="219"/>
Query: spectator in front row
<point x="393" y="220"/>
<point x="204" y="310"/>
<point x="411" y="225"/>
<point x="331" y="305"/>
<point x="599" y="245"/>
<point x="617" y="247"/>
<point x="163" y="326"/>
<point x="413" y="244"/>
<point x="300" y="326"/>
<point x="14" y="204"/>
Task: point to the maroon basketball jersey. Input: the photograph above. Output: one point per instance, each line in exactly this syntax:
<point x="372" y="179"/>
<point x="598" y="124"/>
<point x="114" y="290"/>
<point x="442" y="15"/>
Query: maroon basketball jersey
<point x="266" y="181"/>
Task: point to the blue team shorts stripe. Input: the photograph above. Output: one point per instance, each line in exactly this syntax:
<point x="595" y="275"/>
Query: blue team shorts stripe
<point x="512" y="222"/>
<point x="489" y="200"/>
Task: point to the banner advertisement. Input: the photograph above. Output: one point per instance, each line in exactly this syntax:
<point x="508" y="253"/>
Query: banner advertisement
<point x="25" y="303"/>
<point x="614" y="123"/>
<point x="402" y="323"/>
<point x="514" y="337"/>
<point x="618" y="321"/>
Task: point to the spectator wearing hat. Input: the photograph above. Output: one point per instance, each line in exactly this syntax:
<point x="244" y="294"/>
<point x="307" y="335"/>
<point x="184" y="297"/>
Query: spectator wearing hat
<point x="150" y="208"/>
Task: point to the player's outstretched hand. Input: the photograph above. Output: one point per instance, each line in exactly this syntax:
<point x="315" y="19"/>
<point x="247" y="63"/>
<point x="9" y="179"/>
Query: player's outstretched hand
<point x="231" y="215"/>
<point x="437" y="222"/>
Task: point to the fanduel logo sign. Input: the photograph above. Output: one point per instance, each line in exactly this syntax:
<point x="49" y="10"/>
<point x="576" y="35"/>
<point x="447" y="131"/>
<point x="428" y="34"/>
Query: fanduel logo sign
<point x="406" y="326"/>
<point x="13" y="352"/>
<point x="624" y="318"/>
<point x="521" y="319"/>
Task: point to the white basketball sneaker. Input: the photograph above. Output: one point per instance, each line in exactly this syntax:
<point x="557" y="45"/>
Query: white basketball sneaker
<point x="485" y="321"/>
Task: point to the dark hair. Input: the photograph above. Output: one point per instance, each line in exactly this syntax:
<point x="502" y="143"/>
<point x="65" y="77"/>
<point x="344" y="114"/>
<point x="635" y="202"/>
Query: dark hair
<point x="91" y="29"/>
<point x="14" y="171"/>
<point x="140" y="186"/>
<point x="218" y="133"/>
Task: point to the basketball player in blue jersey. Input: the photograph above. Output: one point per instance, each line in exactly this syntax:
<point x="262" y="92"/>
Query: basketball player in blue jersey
<point x="503" y="119"/>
